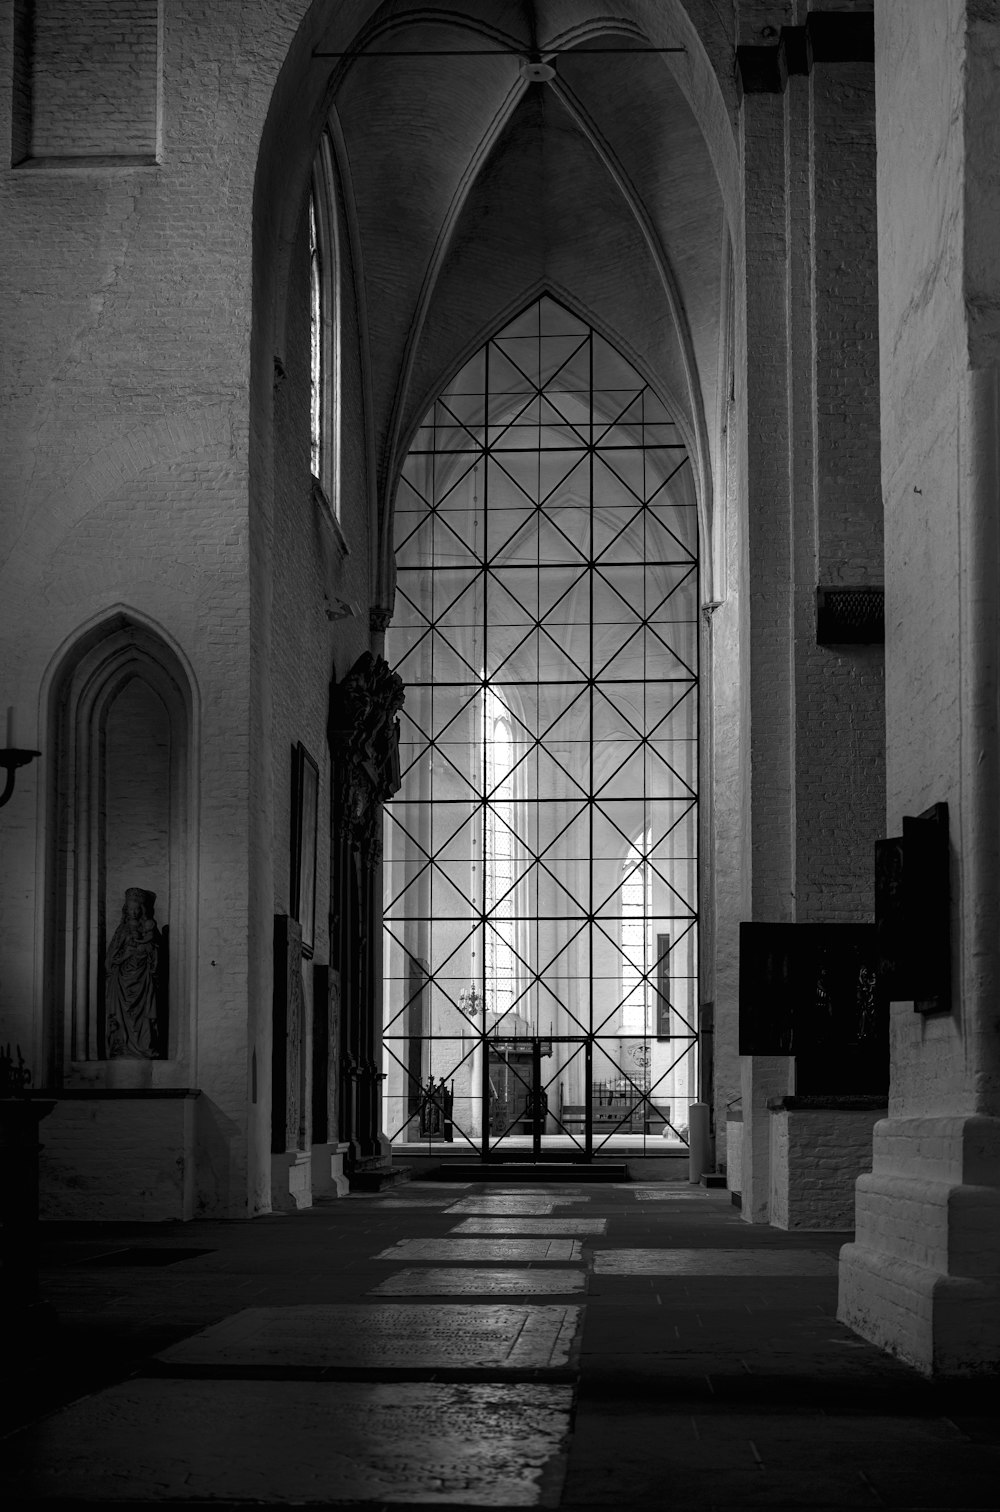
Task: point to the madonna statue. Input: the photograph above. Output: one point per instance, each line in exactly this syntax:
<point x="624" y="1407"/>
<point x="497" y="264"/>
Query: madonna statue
<point x="133" y="978"/>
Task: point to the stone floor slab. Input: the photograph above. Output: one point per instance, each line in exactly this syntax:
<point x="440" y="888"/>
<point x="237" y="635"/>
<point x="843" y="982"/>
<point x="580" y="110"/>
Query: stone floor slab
<point x="516" y="1251"/>
<point x="564" y="1228"/>
<point x="425" y="1204"/>
<point x="560" y="1194"/>
<point x="385" y="1336"/>
<point x="292" y="1442"/>
<point x="509" y="1202"/>
<point x="714" y="1262"/>
<point x="466" y="1280"/>
<point x="673" y="1194"/>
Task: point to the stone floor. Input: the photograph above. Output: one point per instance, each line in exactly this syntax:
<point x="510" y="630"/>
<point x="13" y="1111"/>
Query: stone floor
<point x="590" y="1347"/>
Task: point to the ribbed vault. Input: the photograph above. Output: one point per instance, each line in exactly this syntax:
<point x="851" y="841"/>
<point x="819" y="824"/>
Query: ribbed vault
<point x="471" y="188"/>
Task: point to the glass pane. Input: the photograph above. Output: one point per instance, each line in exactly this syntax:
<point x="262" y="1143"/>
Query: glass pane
<point x="541" y="856"/>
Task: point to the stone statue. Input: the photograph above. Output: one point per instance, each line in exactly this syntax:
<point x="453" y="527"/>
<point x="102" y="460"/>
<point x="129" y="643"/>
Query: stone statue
<point x="132" y="970"/>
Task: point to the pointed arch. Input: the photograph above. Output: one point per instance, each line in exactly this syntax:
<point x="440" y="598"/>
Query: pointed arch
<point x="547" y="630"/>
<point x="121" y="812"/>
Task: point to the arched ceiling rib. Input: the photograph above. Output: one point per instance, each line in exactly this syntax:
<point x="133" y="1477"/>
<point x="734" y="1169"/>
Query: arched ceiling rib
<point x="474" y="189"/>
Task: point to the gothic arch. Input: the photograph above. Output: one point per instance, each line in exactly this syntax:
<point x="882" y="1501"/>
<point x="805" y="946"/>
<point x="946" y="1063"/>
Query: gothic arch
<point x="120" y="706"/>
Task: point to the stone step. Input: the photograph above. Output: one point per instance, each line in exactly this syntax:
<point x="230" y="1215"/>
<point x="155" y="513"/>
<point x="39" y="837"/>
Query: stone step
<point x="376" y="1179"/>
<point x="516" y="1171"/>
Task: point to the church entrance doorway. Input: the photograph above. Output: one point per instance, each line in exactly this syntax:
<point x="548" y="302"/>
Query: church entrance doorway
<point x="541" y="863"/>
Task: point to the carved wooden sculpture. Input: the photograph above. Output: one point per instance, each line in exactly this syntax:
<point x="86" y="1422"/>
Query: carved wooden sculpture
<point x="364" y="741"/>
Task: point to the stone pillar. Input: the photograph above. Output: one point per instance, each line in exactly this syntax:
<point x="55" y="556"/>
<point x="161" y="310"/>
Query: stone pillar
<point x="764" y="1079"/>
<point x="291" y="1184"/>
<point x="763" y="301"/>
<point x="328" y="1179"/>
<point x="922" y="1278"/>
<point x="812" y="500"/>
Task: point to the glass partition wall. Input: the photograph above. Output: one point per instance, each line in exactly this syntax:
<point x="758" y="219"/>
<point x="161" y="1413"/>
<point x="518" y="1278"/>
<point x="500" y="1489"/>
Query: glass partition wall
<point x="541" y="876"/>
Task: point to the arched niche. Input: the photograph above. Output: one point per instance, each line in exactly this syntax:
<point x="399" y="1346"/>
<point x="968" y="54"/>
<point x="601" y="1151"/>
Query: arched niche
<point x="121" y="815"/>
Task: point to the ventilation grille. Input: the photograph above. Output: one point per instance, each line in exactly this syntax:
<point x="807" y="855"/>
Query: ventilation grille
<point x="850" y="616"/>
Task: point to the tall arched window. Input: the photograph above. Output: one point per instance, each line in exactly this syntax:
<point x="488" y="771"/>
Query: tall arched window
<point x="499" y="852"/>
<point x="546" y="627"/>
<point x="637" y="938"/>
<point x="316" y="364"/>
<point x="324" y="328"/>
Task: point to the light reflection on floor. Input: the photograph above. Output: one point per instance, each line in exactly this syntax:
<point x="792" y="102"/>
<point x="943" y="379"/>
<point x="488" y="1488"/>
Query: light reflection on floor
<point x="523" y="1202"/>
<point x="470" y="1443"/>
<point x="564" y="1227"/>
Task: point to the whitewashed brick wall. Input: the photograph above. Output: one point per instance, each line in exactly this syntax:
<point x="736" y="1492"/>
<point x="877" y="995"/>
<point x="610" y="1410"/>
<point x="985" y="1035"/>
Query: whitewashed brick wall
<point x="817" y="1155"/>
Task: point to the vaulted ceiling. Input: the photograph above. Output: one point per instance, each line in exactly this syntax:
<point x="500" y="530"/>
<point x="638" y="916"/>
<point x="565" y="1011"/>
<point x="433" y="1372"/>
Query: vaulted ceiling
<point x="472" y="187"/>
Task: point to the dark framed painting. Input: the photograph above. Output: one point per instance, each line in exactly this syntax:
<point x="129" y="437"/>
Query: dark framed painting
<point x="305" y="801"/>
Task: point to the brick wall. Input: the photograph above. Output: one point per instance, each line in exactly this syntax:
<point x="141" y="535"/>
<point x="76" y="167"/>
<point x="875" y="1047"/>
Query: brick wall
<point x="87" y="78"/>
<point x="119" y="1157"/>
<point x="817" y="1156"/>
<point x="840" y="717"/>
<point x="125" y="474"/>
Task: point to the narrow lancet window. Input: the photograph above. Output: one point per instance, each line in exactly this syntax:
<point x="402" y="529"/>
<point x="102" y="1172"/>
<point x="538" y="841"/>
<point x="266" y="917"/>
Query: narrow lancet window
<point x="636" y="938"/>
<point x="316" y="345"/>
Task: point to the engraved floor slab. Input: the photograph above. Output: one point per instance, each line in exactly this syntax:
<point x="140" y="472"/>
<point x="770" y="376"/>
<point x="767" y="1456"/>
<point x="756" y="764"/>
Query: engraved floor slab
<point x="517" y="1251"/>
<point x="714" y="1262"/>
<point x="256" y="1441"/>
<point x="469" y="1280"/>
<point x="511" y="1203"/>
<point x="366" y="1335"/>
<point x="441" y="1186"/>
<point x="564" y="1192"/>
<point x="427" y="1204"/>
<point x="562" y="1198"/>
<point x="565" y="1228"/>
<point x="671" y="1194"/>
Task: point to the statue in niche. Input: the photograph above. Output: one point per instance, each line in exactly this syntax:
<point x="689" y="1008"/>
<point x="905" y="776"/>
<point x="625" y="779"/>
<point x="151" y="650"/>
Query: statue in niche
<point x="132" y="975"/>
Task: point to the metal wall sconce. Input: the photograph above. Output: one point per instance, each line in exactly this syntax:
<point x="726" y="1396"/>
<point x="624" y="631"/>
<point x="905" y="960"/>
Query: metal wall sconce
<point x="10" y="759"/>
<point x="12" y="756"/>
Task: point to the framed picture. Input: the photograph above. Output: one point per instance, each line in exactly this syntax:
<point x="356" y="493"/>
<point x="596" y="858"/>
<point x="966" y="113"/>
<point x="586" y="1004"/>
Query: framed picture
<point x="305" y="795"/>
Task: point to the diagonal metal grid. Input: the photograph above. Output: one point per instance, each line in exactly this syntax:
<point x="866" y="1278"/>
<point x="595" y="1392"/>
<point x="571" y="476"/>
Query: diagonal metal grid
<point x="546" y="627"/>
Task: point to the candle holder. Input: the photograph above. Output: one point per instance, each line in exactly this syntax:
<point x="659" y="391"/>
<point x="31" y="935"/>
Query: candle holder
<point x="10" y="759"/>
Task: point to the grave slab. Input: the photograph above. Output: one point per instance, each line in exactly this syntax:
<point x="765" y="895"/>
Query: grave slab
<point x="465" y="1280"/>
<point x="516" y="1251"/>
<point x="513" y="1202"/>
<point x="674" y="1194"/>
<point x="363" y="1335"/>
<point x="424" y="1204"/>
<point x="564" y="1228"/>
